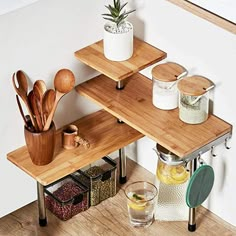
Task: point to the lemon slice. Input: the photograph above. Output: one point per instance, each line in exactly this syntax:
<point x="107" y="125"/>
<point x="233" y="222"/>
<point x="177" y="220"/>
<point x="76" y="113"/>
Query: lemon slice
<point x="164" y="178"/>
<point x="174" y="175"/>
<point x="137" y="205"/>
<point x="137" y="202"/>
<point x="179" y="174"/>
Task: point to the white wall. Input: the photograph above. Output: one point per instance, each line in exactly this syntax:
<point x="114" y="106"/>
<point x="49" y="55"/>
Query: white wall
<point x="41" y="38"/>
<point x="203" y="49"/>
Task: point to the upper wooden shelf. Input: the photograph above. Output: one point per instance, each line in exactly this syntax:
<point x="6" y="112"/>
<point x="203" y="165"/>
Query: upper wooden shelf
<point x="104" y="134"/>
<point x="134" y="106"/>
<point x="144" y="55"/>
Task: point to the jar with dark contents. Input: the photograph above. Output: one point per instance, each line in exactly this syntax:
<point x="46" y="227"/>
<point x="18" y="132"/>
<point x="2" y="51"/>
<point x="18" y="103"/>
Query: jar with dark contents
<point x="66" y="198"/>
<point x="100" y="178"/>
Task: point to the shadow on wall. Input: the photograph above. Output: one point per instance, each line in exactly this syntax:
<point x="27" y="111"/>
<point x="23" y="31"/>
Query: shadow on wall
<point x="138" y="24"/>
<point x="216" y="159"/>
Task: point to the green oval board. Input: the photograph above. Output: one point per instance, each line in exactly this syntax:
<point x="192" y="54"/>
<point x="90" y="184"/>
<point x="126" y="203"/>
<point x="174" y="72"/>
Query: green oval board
<point x="199" y="186"/>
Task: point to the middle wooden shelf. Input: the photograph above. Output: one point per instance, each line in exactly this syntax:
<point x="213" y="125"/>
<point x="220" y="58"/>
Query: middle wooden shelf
<point x="133" y="105"/>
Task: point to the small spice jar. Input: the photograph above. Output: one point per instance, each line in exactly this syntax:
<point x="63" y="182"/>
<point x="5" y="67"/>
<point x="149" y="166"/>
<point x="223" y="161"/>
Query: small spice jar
<point x="194" y="99"/>
<point x="164" y="92"/>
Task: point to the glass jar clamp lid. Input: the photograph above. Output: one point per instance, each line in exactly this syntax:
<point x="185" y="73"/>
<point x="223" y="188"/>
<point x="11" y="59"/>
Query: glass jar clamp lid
<point x="194" y="99"/>
<point x="165" y="77"/>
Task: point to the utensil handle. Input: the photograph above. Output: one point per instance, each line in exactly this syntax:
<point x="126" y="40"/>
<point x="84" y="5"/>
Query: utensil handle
<point x="21" y="110"/>
<point x="50" y="116"/>
<point x="23" y="116"/>
<point x="179" y="77"/>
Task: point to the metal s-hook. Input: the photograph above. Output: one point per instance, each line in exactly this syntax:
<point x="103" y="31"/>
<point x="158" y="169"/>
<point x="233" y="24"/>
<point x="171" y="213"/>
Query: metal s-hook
<point x="226" y="143"/>
<point x="200" y="160"/>
<point x="212" y="151"/>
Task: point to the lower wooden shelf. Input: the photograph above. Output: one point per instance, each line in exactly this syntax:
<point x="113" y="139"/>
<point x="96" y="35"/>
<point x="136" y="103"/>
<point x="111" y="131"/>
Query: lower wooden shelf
<point x="105" y="135"/>
<point x="134" y="106"/>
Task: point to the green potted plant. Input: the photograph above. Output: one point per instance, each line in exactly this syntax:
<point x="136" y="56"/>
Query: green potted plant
<point x="118" y="33"/>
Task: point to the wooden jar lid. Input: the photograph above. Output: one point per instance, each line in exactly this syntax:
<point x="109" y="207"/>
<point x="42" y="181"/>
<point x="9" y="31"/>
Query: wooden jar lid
<point x="167" y="72"/>
<point x="194" y="85"/>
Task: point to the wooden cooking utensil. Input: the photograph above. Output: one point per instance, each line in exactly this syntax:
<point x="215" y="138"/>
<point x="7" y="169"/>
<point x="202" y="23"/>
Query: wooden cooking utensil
<point x="29" y="123"/>
<point x="64" y="82"/>
<point x="39" y="88"/>
<point x="34" y="104"/>
<point x="22" y="91"/>
<point x="23" y="116"/>
<point x="49" y="98"/>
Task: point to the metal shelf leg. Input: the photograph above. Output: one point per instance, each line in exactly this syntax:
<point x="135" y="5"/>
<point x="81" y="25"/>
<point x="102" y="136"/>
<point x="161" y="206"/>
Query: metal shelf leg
<point x="122" y="161"/>
<point x="41" y="205"/>
<point x="192" y="211"/>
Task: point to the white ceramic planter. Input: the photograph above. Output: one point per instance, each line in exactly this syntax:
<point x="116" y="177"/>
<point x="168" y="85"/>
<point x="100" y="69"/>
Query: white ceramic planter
<point x="118" y="46"/>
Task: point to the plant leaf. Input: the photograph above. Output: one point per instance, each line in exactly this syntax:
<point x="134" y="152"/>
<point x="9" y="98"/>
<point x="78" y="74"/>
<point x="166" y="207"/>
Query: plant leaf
<point x="107" y="15"/>
<point x="123" y="6"/>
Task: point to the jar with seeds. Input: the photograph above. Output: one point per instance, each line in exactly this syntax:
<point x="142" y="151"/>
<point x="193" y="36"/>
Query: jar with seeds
<point x="100" y="178"/>
<point x="194" y="99"/>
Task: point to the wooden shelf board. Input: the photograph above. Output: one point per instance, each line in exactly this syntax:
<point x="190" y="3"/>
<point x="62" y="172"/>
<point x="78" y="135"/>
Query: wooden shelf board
<point x="134" y="106"/>
<point x="144" y="55"/>
<point x="104" y="134"/>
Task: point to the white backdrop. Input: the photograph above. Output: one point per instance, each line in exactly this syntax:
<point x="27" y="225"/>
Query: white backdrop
<point x="12" y="5"/>
<point x="41" y="38"/>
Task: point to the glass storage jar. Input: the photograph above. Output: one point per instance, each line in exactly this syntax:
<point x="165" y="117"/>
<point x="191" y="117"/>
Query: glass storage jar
<point x="66" y="197"/>
<point x="100" y="178"/>
<point x="164" y="92"/>
<point x="194" y="99"/>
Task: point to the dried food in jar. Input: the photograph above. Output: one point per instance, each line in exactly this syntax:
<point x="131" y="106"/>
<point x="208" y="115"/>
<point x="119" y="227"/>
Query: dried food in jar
<point x="64" y="204"/>
<point x="100" y="188"/>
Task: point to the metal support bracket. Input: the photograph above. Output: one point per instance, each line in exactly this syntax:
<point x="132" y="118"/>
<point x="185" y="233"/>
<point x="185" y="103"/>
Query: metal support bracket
<point x="122" y="161"/>
<point x="210" y="146"/>
<point x="192" y="211"/>
<point x="120" y="85"/>
<point x="192" y="158"/>
<point x="41" y="205"/>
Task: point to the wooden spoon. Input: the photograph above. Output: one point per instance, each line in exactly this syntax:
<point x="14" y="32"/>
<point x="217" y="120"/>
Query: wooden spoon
<point x="39" y="89"/>
<point x="64" y="82"/>
<point x="34" y="103"/>
<point x="49" y="98"/>
<point x="22" y="91"/>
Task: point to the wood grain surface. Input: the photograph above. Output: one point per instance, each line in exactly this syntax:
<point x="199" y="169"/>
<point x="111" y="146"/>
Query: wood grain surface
<point x="110" y="218"/>
<point x="102" y="131"/>
<point x="144" y="55"/>
<point x="134" y="106"/>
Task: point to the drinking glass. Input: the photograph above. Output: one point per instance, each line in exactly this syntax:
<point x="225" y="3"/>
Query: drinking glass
<point x="141" y="202"/>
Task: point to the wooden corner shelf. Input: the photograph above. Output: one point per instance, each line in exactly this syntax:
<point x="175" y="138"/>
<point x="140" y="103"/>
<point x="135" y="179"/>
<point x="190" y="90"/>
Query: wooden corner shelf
<point x="104" y="134"/>
<point x="144" y="55"/>
<point x="134" y="106"/>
